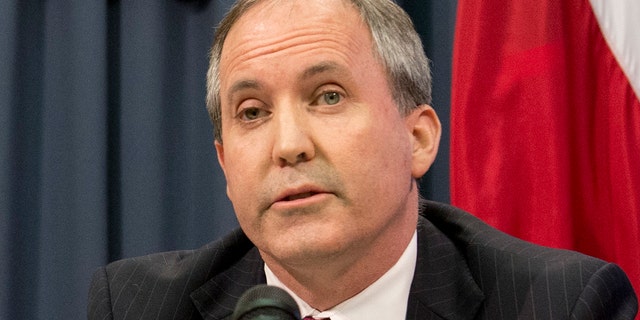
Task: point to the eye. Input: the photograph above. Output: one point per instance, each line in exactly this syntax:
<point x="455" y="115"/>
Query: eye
<point x="252" y="113"/>
<point x="331" y="98"/>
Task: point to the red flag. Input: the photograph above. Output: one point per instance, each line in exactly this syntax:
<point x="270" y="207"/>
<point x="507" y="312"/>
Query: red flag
<point x="545" y="123"/>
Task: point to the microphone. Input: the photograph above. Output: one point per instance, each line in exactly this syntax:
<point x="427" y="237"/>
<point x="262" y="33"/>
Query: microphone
<point x="265" y="302"/>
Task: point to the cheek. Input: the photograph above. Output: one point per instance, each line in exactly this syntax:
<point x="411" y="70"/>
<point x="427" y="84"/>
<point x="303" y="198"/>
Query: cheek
<point x="383" y="145"/>
<point x="373" y="161"/>
<point x="242" y="193"/>
<point x="240" y="172"/>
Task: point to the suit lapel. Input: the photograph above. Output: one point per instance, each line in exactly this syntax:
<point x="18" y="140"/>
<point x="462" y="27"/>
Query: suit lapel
<point x="217" y="298"/>
<point x="442" y="287"/>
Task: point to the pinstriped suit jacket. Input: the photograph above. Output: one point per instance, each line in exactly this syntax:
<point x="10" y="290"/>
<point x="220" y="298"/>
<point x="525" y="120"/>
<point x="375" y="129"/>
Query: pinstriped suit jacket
<point x="465" y="270"/>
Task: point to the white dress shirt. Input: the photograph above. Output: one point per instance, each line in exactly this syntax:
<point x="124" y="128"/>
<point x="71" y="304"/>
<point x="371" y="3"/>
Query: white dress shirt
<point x="386" y="298"/>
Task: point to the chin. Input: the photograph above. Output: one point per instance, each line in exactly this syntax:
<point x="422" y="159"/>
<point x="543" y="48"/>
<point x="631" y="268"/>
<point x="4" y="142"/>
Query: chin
<point x="306" y="251"/>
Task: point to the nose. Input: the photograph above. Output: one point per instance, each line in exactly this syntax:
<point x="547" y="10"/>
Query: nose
<point x="293" y="143"/>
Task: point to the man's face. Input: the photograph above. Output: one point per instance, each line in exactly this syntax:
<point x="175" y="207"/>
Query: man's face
<point x="318" y="160"/>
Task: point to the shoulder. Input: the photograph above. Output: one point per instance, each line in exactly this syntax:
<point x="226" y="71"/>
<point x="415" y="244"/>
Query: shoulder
<point x="473" y="236"/>
<point x="212" y="258"/>
<point x="521" y="277"/>
<point x="162" y="281"/>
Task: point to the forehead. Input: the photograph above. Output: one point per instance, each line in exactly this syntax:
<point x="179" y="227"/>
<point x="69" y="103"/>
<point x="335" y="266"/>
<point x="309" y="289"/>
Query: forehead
<point x="271" y="17"/>
<point x="291" y="26"/>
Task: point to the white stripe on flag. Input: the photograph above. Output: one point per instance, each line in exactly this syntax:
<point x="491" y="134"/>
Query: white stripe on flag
<point x="619" y="21"/>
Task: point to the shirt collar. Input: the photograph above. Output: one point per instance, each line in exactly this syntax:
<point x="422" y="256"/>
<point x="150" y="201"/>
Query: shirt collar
<point x="386" y="298"/>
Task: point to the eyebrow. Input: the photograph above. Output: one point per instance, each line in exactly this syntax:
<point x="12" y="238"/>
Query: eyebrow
<point x="243" y="85"/>
<point x="322" y="67"/>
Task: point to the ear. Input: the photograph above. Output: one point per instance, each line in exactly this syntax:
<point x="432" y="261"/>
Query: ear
<point x="425" y="129"/>
<point x="220" y="153"/>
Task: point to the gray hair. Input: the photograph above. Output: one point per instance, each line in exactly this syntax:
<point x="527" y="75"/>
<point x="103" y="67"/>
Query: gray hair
<point x="396" y="44"/>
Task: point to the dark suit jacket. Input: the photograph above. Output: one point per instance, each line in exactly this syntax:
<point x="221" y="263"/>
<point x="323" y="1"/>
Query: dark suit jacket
<point x="465" y="270"/>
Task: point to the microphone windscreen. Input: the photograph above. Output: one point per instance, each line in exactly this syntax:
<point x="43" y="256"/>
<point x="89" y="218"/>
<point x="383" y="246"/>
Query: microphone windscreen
<point x="265" y="302"/>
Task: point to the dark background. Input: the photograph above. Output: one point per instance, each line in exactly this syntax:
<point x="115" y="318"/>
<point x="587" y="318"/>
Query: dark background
<point x="106" y="147"/>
